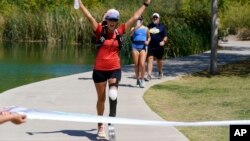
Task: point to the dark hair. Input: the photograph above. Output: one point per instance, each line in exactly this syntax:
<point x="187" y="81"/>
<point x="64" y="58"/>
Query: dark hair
<point x="140" y="18"/>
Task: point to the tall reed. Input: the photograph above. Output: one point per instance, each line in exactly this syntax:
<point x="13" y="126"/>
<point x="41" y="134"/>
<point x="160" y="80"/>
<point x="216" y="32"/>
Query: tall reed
<point x="65" y="24"/>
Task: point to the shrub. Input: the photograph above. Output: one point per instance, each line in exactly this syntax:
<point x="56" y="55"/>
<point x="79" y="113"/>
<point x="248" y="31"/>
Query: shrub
<point x="234" y="16"/>
<point x="244" y="34"/>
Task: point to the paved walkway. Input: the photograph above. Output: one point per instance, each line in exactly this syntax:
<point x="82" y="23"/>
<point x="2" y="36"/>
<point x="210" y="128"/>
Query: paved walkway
<point x="76" y="93"/>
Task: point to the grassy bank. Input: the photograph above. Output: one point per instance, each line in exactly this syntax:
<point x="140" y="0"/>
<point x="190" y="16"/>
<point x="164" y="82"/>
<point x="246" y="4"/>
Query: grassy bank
<point x="201" y="97"/>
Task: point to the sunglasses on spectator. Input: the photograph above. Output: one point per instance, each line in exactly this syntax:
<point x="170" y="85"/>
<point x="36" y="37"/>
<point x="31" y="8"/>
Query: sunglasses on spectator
<point x="155" y="17"/>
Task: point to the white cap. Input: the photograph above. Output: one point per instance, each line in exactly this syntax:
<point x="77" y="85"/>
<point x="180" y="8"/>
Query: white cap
<point x="156" y="14"/>
<point x="112" y="14"/>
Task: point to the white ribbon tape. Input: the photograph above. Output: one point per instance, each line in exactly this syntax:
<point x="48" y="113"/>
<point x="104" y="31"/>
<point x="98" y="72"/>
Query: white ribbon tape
<point x="75" y="117"/>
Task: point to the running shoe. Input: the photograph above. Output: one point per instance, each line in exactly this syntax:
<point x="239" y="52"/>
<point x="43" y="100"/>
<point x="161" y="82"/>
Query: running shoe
<point x="148" y="78"/>
<point x="101" y="132"/>
<point x="160" y="76"/>
<point x="142" y="85"/>
<point x="138" y="83"/>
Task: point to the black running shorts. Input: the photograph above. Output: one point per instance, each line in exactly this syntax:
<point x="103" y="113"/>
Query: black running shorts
<point x="102" y="76"/>
<point x="156" y="52"/>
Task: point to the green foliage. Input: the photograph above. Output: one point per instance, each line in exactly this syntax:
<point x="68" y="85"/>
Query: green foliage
<point x="47" y="5"/>
<point x="185" y="40"/>
<point x="51" y="20"/>
<point x="234" y="15"/>
<point x="188" y="21"/>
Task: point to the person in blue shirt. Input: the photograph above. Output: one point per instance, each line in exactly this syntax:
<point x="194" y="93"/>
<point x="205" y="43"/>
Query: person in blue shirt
<point x="158" y="34"/>
<point x="140" y="37"/>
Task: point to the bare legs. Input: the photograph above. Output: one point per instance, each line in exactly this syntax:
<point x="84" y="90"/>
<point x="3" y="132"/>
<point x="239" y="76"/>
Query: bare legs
<point x="150" y="61"/>
<point x="135" y="55"/>
<point x="101" y="97"/>
<point x="139" y="59"/>
<point x="142" y="59"/>
<point x="150" y="65"/>
<point x="160" y="65"/>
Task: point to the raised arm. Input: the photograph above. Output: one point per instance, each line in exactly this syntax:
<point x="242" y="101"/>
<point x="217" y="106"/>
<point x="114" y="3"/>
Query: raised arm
<point x="87" y="14"/>
<point x="136" y="15"/>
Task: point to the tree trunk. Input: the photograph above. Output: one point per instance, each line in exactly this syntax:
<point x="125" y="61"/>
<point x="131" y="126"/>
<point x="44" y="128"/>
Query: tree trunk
<point x="214" y="37"/>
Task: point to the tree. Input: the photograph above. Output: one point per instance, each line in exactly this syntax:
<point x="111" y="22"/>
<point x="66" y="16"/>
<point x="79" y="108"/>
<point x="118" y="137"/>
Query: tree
<point x="214" y="37"/>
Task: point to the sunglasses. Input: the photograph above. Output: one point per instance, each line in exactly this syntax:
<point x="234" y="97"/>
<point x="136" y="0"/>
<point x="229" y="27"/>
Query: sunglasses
<point x="155" y="17"/>
<point x="113" y="20"/>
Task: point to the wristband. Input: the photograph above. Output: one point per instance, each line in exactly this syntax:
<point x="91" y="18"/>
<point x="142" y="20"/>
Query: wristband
<point x="145" y="4"/>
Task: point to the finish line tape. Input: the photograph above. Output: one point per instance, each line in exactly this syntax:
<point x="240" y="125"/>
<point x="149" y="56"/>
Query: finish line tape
<point x="36" y="114"/>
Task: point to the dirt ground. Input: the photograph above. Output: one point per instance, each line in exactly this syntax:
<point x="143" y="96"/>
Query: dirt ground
<point x="234" y="39"/>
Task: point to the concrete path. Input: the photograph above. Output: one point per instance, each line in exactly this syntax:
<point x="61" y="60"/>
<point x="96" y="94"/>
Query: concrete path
<point x="76" y="93"/>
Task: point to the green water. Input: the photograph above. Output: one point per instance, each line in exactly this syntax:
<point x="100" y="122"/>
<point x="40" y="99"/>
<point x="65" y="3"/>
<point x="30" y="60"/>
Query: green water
<point x="23" y="63"/>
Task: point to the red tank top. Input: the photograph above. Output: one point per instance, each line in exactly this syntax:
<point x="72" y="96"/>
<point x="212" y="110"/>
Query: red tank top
<point x="107" y="57"/>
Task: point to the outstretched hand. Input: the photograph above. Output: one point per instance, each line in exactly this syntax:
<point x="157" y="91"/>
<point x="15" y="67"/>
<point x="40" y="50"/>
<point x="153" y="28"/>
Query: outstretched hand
<point x="18" y="119"/>
<point x="13" y="117"/>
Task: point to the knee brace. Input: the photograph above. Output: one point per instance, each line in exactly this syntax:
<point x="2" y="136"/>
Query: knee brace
<point x="113" y="93"/>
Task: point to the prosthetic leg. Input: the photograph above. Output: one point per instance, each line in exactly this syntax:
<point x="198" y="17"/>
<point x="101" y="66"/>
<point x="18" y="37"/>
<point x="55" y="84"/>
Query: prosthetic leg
<point x="112" y="112"/>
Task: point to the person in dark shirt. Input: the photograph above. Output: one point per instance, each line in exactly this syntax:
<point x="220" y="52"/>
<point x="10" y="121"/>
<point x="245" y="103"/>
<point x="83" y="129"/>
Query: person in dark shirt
<point x="159" y="38"/>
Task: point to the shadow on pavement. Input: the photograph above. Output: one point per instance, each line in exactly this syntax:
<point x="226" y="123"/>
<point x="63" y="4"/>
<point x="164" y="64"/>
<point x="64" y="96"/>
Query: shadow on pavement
<point x="76" y="133"/>
<point x="127" y="85"/>
<point x="194" y="63"/>
<point x="82" y="78"/>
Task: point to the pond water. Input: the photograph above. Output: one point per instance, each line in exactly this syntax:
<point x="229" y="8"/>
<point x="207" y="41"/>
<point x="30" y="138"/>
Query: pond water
<point x="23" y="63"/>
